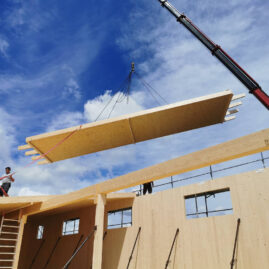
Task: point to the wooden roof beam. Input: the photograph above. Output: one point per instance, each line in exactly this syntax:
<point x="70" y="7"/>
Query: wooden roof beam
<point x="43" y="162"/>
<point x="231" y="112"/>
<point x="31" y="152"/>
<point x="238" y="96"/>
<point x="232" y="105"/>
<point x="25" y="147"/>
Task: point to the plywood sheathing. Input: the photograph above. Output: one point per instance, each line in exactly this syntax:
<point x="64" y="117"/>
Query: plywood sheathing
<point x="133" y="128"/>
<point x="240" y="147"/>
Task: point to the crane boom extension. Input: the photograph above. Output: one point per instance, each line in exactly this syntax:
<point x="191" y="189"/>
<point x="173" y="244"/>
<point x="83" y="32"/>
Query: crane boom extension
<point x="217" y="51"/>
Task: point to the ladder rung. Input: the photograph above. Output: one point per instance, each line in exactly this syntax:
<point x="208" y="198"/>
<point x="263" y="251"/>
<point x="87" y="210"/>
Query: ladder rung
<point x="6" y="260"/>
<point x="6" y="267"/>
<point x="9" y="226"/>
<point x="7" y="246"/>
<point x="9" y="233"/>
<point x="7" y="253"/>
<point x="11" y="220"/>
<point x="7" y="239"/>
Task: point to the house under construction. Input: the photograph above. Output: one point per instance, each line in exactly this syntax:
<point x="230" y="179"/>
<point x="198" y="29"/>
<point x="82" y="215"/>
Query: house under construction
<point x="183" y="227"/>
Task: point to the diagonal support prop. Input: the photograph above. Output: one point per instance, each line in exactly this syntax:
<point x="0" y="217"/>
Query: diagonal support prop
<point x="171" y="249"/>
<point x="235" y="243"/>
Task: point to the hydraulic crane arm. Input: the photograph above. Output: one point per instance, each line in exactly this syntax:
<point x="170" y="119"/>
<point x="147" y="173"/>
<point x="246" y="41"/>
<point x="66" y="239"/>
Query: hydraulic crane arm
<point x="217" y="51"/>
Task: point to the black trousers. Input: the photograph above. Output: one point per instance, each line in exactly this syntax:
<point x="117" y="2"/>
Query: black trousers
<point x="6" y="187"/>
<point x="147" y="187"/>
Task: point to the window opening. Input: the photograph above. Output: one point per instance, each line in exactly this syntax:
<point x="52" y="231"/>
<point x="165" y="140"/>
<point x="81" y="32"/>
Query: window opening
<point x="40" y="231"/>
<point x="71" y="227"/>
<point x="208" y="204"/>
<point x="120" y="218"/>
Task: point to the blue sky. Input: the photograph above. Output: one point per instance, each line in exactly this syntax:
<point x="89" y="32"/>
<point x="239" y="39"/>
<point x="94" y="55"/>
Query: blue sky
<point x="61" y="61"/>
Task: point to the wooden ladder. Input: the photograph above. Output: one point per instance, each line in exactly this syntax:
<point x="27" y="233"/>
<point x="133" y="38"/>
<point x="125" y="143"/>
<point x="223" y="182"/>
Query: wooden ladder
<point x="9" y="230"/>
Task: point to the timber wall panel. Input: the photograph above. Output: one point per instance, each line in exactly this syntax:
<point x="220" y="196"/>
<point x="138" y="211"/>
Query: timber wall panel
<point x="66" y="245"/>
<point x="201" y="243"/>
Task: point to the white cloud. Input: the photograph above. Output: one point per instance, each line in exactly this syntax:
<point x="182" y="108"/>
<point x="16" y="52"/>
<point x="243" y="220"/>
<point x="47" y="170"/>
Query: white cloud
<point x="7" y="138"/>
<point x="26" y="191"/>
<point x="29" y="15"/>
<point x="119" y="105"/>
<point x="16" y="17"/>
<point x="71" y="89"/>
<point x="4" y="46"/>
<point x="65" y="120"/>
<point x="105" y="106"/>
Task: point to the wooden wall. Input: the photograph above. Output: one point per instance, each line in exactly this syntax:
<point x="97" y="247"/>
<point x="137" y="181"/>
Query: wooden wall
<point x="66" y="245"/>
<point x="202" y="243"/>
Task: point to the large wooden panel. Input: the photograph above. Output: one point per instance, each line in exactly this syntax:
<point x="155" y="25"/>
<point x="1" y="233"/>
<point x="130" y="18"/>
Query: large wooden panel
<point x="136" y="127"/>
<point x="201" y="243"/>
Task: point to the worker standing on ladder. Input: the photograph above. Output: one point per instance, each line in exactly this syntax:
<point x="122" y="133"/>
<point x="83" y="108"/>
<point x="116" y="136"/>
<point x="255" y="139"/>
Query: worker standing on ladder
<point x="6" y="182"/>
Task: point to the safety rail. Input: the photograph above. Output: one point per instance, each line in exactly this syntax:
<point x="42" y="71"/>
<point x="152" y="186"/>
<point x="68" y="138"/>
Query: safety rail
<point x="211" y="173"/>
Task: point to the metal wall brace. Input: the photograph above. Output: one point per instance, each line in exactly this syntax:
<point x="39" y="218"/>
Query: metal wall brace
<point x="171" y="249"/>
<point x="131" y="256"/>
<point x="235" y="244"/>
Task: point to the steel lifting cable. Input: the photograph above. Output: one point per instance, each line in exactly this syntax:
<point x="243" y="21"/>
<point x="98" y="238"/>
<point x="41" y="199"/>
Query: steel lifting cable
<point x="117" y="101"/>
<point x="126" y="92"/>
<point x="121" y="87"/>
<point x="149" y="87"/>
<point x="104" y="108"/>
<point x="129" y="80"/>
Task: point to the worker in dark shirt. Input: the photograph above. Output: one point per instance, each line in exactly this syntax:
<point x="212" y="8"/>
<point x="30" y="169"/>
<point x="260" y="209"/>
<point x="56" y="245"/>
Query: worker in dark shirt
<point x="147" y="187"/>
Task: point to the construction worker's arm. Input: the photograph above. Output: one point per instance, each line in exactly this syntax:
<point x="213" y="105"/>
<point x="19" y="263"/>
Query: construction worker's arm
<point x="11" y="178"/>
